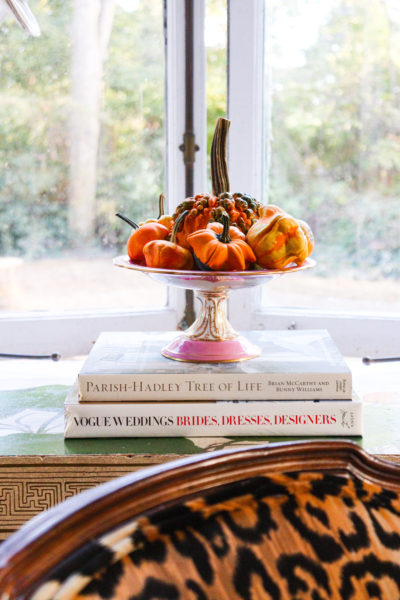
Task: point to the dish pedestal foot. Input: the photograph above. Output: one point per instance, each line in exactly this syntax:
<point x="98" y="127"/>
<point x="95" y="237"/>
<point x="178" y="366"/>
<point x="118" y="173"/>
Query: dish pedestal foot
<point x="211" y="338"/>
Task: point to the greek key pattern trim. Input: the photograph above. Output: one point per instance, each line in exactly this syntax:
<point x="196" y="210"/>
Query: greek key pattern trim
<point x="28" y="489"/>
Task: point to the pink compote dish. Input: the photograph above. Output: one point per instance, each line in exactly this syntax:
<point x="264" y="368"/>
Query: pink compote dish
<point x="211" y="338"/>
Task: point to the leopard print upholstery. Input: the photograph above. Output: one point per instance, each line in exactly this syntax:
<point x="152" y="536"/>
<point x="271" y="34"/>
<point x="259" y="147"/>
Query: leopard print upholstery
<point x="303" y="536"/>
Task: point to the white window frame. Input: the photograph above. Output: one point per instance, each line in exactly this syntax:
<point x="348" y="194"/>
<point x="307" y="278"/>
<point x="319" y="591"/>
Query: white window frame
<point x="72" y="333"/>
<point x="356" y="335"/>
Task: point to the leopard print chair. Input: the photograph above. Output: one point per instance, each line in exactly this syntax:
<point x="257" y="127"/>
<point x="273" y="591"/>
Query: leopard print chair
<point x="305" y="520"/>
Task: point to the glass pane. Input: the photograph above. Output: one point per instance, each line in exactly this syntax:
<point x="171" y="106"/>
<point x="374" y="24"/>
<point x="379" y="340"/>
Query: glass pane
<point x="333" y="95"/>
<point x="82" y="137"/>
<point x="216" y="31"/>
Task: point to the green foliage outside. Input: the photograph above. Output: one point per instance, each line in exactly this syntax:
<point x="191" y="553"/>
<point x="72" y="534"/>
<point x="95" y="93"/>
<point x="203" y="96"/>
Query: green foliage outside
<point x="34" y="88"/>
<point x="34" y="109"/>
<point x="336" y="139"/>
<point x="336" y="131"/>
<point x="132" y="147"/>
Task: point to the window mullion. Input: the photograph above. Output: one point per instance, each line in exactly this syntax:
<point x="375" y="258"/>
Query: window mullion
<point x="176" y="99"/>
<point x="245" y="110"/>
<point x="181" y="103"/>
<point x="199" y="97"/>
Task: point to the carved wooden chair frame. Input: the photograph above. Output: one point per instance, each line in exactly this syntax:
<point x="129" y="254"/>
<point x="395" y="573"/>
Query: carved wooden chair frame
<point x="91" y="514"/>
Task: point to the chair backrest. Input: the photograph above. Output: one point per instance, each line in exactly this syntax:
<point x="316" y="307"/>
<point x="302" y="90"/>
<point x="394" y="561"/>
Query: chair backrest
<point x="317" y="520"/>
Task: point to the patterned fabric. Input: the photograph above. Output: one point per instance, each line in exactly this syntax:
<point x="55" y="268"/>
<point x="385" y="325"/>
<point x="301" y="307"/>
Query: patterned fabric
<point x="286" y="536"/>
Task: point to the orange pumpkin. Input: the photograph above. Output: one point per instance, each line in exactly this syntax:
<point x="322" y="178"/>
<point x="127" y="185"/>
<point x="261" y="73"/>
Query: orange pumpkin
<point x="220" y="247"/>
<point x="141" y="236"/>
<point x="164" y="254"/>
<point x="278" y="241"/>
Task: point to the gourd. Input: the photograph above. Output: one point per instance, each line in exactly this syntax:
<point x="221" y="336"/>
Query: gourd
<point x="225" y="231"/>
<point x="267" y="211"/>
<point x="164" y="254"/>
<point x="220" y="247"/>
<point x="162" y="218"/>
<point x="242" y="209"/>
<point x="278" y="241"/>
<point x="141" y="236"/>
<point x="308" y="233"/>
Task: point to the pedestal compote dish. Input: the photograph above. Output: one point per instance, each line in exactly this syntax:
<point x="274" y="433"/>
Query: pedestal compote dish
<point x="211" y="338"/>
<point x="213" y="244"/>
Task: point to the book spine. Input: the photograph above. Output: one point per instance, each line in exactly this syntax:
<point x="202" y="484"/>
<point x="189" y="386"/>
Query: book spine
<point x="214" y="386"/>
<point x="214" y="419"/>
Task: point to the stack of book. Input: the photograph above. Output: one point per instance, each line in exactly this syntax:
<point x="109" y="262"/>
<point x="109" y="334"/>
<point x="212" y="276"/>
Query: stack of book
<point x="299" y="385"/>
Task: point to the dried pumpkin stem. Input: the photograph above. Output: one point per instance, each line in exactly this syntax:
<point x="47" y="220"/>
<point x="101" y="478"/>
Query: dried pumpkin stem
<point x="219" y="164"/>
<point x="127" y="220"/>
<point x="224" y="236"/>
<point x="177" y="226"/>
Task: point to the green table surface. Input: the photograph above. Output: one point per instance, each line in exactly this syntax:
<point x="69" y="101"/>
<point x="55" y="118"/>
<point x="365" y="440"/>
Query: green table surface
<point x="32" y="421"/>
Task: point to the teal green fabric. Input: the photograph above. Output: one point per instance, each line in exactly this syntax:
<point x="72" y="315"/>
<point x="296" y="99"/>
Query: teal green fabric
<point x="31" y="423"/>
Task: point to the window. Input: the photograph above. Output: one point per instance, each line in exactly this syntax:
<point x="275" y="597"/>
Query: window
<point x="82" y="114"/>
<point x="314" y="116"/>
<point x="331" y="145"/>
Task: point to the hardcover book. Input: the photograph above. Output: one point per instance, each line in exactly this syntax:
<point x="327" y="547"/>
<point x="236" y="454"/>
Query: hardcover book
<point x="203" y="418"/>
<point x="299" y="364"/>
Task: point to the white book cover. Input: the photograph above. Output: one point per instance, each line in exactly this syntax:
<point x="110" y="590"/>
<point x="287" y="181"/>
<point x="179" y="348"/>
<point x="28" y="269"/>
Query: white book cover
<point x="210" y="419"/>
<point x="299" y="364"/>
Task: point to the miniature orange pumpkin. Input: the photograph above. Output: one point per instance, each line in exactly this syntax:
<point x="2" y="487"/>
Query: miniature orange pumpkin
<point x="220" y="247"/>
<point x="166" y="254"/>
<point x="141" y="236"/>
<point x="278" y="241"/>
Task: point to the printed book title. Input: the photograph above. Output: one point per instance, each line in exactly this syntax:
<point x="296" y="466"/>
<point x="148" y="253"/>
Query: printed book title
<point x="190" y="386"/>
<point x="203" y="420"/>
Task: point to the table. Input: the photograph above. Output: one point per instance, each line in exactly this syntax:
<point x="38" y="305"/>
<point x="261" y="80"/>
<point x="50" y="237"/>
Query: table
<point x="38" y="468"/>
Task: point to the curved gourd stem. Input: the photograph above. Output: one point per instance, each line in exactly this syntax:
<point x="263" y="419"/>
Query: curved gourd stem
<point x="219" y="164"/>
<point x="161" y="205"/>
<point x="177" y="226"/>
<point x="127" y="220"/>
